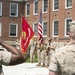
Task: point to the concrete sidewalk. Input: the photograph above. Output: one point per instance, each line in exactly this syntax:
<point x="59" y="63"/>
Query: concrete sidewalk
<point x="25" y="69"/>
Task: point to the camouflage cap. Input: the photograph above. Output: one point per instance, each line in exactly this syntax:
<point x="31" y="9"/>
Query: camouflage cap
<point x="72" y="24"/>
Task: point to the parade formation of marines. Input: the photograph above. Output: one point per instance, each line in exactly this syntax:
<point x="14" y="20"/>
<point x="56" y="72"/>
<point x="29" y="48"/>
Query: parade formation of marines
<point x="43" y="50"/>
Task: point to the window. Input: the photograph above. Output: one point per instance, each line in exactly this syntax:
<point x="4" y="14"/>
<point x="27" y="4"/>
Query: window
<point x="45" y="5"/>
<point x="13" y="10"/>
<point x="27" y="9"/>
<point x="35" y="29"/>
<point x="55" y="5"/>
<point x="67" y="26"/>
<point x="55" y="28"/>
<point x="0" y="8"/>
<point x="0" y="29"/>
<point x="35" y="7"/>
<point x="68" y="4"/>
<point x="44" y="28"/>
<point x="13" y="30"/>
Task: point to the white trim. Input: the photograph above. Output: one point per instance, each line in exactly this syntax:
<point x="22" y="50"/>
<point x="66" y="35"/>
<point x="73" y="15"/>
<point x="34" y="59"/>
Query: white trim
<point x="19" y="0"/>
<point x="53" y="28"/>
<point x="43" y="27"/>
<point x="53" y="7"/>
<point x="0" y="29"/>
<point x="33" y="29"/>
<point x="26" y="10"/>
<point x="16" y="9"/>
<point x="43" y="7"/>
<point x="16" y="29"/>
<point x="34" y="7"/>
<point x="65" y="26"/>
<point x="66" y="5"/>
<point x="1" y="9"/>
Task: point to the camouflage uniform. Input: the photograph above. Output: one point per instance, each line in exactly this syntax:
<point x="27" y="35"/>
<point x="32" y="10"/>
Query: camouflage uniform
<point x="52" y="50"/>
<point x="43" y="55"/>
<point x="38" y="54"/>
<point x="46" y="59"/>
<point x="48" y="52"/>
<point x="5" y="57"/>
<point x="65" y="58"/>
<point x="32" y="50"/>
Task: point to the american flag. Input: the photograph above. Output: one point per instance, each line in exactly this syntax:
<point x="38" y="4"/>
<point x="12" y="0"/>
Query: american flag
<point x="40" y="29"/>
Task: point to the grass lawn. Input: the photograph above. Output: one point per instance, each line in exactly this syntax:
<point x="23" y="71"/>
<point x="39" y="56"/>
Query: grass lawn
<point x="35" y="60"/>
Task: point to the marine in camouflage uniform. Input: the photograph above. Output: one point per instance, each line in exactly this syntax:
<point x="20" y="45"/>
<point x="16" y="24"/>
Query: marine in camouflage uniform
<point x="39" y="53"/>
<point x="65" y="56"/>
<point x="46" y="58"/>
<point x="47" y="54"/>
<point x="51" y="46"/>
<point x="43" y="54"/>
<point x="32" y="50"/>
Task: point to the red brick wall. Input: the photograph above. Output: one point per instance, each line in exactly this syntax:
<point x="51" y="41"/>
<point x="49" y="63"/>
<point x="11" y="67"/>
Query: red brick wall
<point x="5" y="19"/>
<point x="61" y="15"/>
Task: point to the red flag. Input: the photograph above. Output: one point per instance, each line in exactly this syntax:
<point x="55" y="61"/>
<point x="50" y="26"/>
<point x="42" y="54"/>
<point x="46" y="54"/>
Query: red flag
<point x="27" y="34"/>
<point x="40" y="29"/>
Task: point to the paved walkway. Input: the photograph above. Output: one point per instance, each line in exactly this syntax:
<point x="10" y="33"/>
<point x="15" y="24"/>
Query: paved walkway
<point x="25" y="69"/>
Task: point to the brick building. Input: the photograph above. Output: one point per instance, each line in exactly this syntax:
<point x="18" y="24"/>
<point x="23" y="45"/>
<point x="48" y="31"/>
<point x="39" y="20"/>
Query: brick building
<point x="56" y="15"/>
<point x="10" y="19"/>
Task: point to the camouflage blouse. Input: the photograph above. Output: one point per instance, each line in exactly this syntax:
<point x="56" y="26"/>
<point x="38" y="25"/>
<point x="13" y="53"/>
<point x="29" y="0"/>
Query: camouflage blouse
<point x="65" y="58"/>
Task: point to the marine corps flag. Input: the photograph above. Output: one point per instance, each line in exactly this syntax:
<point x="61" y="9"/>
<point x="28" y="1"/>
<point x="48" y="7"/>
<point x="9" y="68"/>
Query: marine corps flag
<point x="26" y="35"/>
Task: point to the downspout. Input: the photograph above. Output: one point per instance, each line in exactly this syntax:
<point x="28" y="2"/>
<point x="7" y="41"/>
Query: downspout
<point x="49" y="16"/>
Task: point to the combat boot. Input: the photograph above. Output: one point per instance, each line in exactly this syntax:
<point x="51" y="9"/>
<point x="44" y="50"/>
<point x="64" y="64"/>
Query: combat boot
<point x="39" y="64"/>
<point x="43" y="65"/>
<point x="46" y="66"/>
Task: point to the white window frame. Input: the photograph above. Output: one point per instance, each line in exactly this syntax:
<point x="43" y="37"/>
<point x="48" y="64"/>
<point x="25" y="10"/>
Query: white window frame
<point x="16" y="9"/>
<point x="53" y="28"/>
<point x="1" y="9"/>
<point x="37" y="29"/>
<point x="26" y="9"/>
<point x="66" y="5"/>
<point x="43" y="7"/>
<point x="65" y="25"/>
<point x="16" y="29"/>
<point x="0" y="29"/>
<point x="34" y="8"/>
<point x="53" y="7"/>
<point x="43" y="27"/>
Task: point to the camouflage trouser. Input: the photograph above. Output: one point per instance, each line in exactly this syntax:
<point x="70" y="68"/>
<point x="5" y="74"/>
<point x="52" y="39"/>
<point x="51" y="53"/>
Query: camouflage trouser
<point x="51" y="52"/>
<point x="47" y="60"/>
<point x="32" y="55"/>
<point x="39" y="55"/>
<point x="44" y="57"/>
<point x="50" y="55"/>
